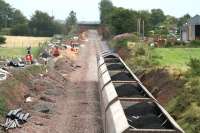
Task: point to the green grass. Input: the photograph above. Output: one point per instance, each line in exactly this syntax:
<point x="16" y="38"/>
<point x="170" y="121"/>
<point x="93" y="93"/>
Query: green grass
<point x="3" y="107"/>
<point x="17" y="52"/>
<point x="177" y="57"/>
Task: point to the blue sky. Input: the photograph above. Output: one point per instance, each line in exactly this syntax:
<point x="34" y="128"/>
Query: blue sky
<point x="87" y="10"/>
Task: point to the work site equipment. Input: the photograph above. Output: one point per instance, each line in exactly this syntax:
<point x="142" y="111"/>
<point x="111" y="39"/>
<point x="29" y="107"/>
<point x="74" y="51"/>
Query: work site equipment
<point x="126" y="105"/>
<point x="17" y="62"/>
<point x="15" y="118"/>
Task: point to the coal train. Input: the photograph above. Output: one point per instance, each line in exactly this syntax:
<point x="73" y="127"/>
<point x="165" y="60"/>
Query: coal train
<point x="126" y="104"/>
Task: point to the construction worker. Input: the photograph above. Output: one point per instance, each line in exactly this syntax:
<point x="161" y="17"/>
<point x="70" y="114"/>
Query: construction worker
<point x="29" y="50"/>
<point x="29" y="58"/>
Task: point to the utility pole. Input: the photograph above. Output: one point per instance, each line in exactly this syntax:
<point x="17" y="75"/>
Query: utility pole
<point x="143" y="29"/>
<point x="52" y="12"/>
<point x="139" y="27"/>
<point x="6" y="18"/>
<point x="6" y="21"/>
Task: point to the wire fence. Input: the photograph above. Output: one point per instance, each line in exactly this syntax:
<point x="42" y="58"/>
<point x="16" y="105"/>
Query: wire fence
<point x="23" y="45"/>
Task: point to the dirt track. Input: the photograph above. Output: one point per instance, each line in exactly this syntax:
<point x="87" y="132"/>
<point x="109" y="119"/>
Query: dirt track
<point x="76" y="109"/>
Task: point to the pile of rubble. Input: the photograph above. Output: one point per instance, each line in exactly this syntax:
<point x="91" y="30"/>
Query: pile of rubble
<point x="15" y="118"/>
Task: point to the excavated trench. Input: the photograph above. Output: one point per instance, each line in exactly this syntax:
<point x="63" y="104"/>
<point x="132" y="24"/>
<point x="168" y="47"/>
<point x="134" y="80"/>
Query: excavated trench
<point x="163" y="83"/>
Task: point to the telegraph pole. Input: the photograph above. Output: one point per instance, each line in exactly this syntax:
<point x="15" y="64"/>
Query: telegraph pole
<point x="52" y="12"/>
<point x="139" y="27"/>
<point x="6" y="21"/>
<point x="143" y="29"/>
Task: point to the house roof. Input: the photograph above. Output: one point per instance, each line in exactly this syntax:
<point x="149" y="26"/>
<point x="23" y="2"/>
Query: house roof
<point x="194" y="21"/>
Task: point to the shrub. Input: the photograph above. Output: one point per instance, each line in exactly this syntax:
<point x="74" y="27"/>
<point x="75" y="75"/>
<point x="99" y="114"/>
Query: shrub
<point x="123" y="41"/>
<point x="194" y="65"/>
<point x="185" y="107"/>
<point x="191" y="119"/>
<point x="140" y="58"/>
<point x="3" y="107"/>
<point x="2" y="40"/>
<point x="140" y="51"/>
<point x="168" y="44"/>
<point x="195" y="43"/>
<point x="178" y="43"/>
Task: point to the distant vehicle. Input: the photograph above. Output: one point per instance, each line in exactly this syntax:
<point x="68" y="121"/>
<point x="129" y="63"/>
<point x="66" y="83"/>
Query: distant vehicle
<point x="17" y="62"/>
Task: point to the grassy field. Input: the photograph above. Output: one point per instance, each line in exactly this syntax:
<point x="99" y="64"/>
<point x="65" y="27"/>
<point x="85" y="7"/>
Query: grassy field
<point x="17" y="52"/>
<point x="177" y="57"/>
<point x="23" y="41"/>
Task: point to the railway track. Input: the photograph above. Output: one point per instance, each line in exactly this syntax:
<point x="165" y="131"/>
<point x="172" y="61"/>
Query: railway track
<point x="126" y="105"/>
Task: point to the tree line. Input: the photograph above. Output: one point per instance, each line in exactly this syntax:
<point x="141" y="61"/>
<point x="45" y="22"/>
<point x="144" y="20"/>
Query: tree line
<point x="120" y="20"/>
<point x="13" y="22"/>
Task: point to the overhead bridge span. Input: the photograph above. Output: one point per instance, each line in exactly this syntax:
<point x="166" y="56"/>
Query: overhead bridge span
<point x="88" y="25"/>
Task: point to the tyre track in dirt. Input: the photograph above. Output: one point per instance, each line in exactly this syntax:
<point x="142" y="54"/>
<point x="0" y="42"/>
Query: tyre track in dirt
<point x="83" y="95"/>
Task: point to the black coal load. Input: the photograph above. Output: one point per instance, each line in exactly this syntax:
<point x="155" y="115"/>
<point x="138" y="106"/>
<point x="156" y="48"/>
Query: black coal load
<point x="121" y="76"/>
<point x="112" y="60"/>
<point x="149" y="121"/>
<point x="130" y="90"/>
<point x="16" y="63"/>
<point x="115" y="66"/>
<point x="140" y="109"/>
<point x="110" y="56"/>
<point x="146" y="115"/>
